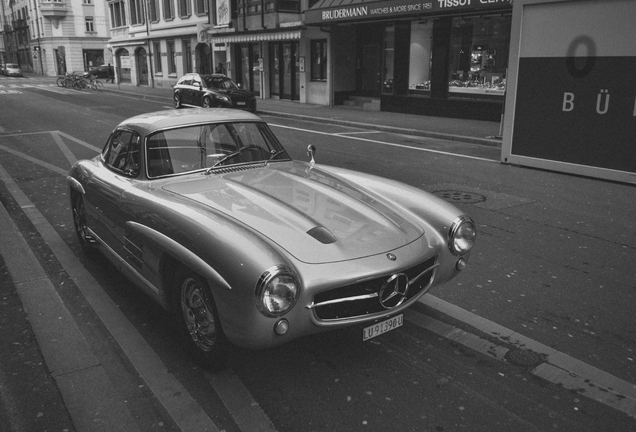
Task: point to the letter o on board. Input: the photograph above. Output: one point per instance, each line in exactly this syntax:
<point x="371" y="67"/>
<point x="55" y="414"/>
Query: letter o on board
<point x="590" y="59"/>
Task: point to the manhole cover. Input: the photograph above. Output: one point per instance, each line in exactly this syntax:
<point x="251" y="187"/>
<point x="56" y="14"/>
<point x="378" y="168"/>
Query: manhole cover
<point x="522" y="357"/>
<point x="459" y="196"/>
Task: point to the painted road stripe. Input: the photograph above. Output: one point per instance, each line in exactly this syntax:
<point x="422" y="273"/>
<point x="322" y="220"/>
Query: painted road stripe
<point x="557" y="367"/>
<point x="390" y="144"/>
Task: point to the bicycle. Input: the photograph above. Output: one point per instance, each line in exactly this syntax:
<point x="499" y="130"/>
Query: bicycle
<point x="95" y="84"/>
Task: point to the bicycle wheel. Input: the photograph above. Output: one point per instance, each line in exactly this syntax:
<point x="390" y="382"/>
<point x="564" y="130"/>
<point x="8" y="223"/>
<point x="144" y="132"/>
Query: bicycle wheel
<point x="97" y="85"/>
<point x="60" y="82"/>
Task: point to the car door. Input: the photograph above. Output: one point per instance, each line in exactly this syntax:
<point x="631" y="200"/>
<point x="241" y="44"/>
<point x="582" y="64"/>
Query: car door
<point x="197" y="91"/>
<point x="107" y="214"/>
<point x="185" y="89"/>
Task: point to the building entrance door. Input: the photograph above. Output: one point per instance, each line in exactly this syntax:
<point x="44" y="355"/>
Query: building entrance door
<point x="369" y="53"/>
<point x="142" y="68"/>
<point x="284" y="73"/>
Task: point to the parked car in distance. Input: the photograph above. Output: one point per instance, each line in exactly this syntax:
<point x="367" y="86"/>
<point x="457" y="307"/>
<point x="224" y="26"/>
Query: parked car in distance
<point x="214" y="90"/>
<point x="205" y="211"/>
<point x="12" y="69"/>
<point x="99" y="71"/>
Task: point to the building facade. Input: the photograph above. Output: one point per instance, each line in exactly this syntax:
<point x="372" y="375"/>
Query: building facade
<point x="52" y="37"/>
<point x="154" y="42"/>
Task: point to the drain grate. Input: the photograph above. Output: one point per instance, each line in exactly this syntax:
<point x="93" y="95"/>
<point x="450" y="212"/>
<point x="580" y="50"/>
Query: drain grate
<point x="453" y="196"/>
<point x="522" y="357"/>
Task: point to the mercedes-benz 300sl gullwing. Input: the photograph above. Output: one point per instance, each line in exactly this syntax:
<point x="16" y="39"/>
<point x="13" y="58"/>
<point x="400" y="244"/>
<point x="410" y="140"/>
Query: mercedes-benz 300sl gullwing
<point x="204" y="210"/>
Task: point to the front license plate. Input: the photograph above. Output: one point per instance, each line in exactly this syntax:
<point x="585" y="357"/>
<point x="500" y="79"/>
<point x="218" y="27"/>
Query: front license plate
<point x="382" y="327"/>
<point x="240" y="103"/>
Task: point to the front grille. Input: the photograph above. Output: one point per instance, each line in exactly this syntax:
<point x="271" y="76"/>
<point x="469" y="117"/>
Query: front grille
<point x="361" y="298"/>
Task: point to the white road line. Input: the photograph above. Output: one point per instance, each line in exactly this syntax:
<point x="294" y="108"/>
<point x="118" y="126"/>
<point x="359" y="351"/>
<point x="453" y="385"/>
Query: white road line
<point x="46" y="165"/>
<point x="356" y="133"/>
<point x="385" y="143"/>
<point x="64" y="148"/>
<point x="236" y="398"/>
<point x="557" y="367"/>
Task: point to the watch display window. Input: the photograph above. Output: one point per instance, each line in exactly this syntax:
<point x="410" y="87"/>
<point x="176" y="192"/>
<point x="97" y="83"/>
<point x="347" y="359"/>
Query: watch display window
<point x="479" y="56"/>
<point x="420" y="57"/>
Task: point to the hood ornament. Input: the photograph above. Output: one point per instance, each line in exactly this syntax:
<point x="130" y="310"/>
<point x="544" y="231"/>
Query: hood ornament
<point x="311" y="150"/>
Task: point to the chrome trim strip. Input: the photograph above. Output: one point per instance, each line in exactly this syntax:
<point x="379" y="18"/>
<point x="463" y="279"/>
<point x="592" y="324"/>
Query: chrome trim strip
<point x="313" y="305"/>
<point x="75" y="185"/>
<point x="145" y="281"/>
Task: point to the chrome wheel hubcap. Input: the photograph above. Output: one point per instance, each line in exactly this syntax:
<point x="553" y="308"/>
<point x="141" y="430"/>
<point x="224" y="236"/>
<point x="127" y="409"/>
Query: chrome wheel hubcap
<point x="198" y="315"/>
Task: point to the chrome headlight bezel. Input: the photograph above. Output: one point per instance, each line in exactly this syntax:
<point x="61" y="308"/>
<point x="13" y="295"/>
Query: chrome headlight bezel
<point x="266" y="298"/>
<point x="462" y="235"/>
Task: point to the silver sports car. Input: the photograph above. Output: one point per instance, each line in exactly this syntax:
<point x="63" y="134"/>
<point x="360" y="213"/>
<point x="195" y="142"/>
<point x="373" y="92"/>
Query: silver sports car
<point x="204" y="210"/>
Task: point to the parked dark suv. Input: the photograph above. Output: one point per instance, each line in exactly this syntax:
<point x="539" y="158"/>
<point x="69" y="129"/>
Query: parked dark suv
<point x="212" y="91"/>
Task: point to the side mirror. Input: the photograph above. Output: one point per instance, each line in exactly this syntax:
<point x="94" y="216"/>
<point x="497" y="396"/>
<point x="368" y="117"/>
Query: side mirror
<point x="311" y="151"/>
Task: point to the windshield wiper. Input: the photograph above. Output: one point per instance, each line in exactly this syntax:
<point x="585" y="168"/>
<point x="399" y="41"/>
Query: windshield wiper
<point x="274" y="154"/>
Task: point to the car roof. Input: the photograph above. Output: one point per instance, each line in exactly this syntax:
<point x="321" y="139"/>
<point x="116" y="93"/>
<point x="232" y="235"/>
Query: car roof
<point x="151" y="122"/>
<point x="205" y="75"/>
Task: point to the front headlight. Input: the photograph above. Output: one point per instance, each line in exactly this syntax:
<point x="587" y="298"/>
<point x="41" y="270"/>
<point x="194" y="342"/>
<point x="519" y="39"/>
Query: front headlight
<point x="461" y="236"/>
<point x="276" y="291"/>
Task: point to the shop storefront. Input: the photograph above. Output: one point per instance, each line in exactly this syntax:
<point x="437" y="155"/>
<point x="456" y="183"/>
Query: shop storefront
<point x="269" y="64"/>
<point x="444" y="57"/>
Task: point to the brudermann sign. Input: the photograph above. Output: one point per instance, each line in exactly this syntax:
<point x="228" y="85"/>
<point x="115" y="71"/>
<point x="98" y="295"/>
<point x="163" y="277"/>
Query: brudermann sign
<point x="331" y="11"/>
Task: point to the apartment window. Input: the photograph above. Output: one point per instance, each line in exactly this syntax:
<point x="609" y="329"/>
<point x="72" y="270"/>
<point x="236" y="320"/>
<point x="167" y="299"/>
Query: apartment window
<point x="200" y="7"/>
<point x="136" y="12"/>
<point x="187" y="55"/>
<point x="319" y="60"/>
<point x="153" y="10"/>
<point x="118" y="14"/>
<point x="172" y="58"/>
<point x="157" y="56"/>
<point x="88" y="22"/>
<point x="88" y="2"/>
<point x="185" y="8"/>
<point x="168" y="10"/>
<point x="288" y="5"/>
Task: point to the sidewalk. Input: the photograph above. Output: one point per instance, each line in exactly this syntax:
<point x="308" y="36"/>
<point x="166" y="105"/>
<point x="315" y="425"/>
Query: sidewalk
<point x="462" y="130"/>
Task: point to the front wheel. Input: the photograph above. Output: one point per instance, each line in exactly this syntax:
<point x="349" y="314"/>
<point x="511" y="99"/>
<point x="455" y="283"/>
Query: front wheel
<point x="177" y="101"/>
<point x="98" y="85"/>
<point x="60" y="82"/>
<point x="198" y="320"/>
<point x="206" y="102"/>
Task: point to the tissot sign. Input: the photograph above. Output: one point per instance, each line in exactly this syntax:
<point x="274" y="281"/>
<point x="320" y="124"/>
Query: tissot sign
<point x="574" y="106"/>
<point x="322" y="12"/>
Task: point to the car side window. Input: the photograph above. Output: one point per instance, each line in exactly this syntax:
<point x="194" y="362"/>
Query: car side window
<point x="122" y="153"/>
<point x="197" y="82"/>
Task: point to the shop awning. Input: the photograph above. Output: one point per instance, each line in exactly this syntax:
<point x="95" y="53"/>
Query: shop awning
<point x="334" y="11"/>
<point x="257" y="37"/>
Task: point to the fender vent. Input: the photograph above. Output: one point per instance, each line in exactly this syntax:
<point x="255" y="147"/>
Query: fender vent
<point x="322" y="234"/>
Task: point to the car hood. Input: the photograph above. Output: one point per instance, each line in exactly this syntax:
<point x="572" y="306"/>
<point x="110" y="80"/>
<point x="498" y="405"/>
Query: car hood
<point x="313" y="215"/>
<point x="233" y="92"/>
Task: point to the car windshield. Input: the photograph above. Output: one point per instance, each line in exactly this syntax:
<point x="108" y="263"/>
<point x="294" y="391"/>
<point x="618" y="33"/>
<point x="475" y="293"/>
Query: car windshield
<point x="223" y="83"/>
<point x="210" y="146"/>
<point x="12" y="65"/>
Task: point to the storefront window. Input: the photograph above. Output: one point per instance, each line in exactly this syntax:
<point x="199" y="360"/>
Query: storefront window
<point x="479" y="56"/>
<point x="319" y="60"/>
<point x="389" y="59"/>
<point x="420" y="57"/>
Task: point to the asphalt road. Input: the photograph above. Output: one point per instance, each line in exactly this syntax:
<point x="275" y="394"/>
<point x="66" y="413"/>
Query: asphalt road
<point x="536" y="335"/>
